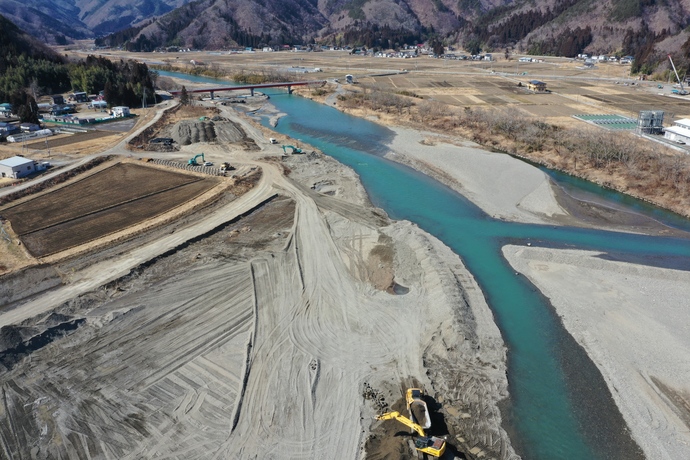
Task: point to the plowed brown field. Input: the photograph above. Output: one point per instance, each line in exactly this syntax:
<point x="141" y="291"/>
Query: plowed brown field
<point x="110" y="200"/>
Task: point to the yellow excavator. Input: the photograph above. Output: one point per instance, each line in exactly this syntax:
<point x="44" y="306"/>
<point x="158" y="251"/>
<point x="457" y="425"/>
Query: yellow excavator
<point x="428" y="444"/>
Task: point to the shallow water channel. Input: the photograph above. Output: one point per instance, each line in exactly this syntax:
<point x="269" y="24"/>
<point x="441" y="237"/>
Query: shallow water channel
<point x="560" y="406"/>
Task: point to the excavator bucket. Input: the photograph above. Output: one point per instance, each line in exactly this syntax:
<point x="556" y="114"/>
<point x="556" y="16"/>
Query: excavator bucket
<point x="416" y="406"/>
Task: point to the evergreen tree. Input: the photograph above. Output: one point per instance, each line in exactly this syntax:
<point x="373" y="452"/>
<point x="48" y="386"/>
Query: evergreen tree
<point x="184" y="96"/>
<point x="25" y="107"/>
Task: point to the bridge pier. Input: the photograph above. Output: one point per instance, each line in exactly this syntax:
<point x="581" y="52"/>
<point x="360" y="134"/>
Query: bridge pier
<point x="211" y="95"/>
<point x="289" y="87"/>
<point x="251" y="91"/>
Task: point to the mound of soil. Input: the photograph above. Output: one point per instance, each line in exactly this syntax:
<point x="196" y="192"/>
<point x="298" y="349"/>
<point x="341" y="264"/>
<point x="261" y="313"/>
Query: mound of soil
<point x="188" y="132"/>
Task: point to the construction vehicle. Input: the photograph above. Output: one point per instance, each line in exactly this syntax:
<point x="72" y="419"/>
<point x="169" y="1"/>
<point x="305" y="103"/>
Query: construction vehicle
<point x="294" y="149"/>
<point x="192" y="161"/>
<point x="427" y="444"/>
<point x="226" y="167"/>
<point x="682" y="90"/>
<point x="419" y="412"/>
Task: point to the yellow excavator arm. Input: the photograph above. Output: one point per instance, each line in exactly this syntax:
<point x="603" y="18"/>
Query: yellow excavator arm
<point x="402" y="419"/>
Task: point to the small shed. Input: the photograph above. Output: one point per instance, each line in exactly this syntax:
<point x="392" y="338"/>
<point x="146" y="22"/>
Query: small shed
<point x="536" y="86"/>
<point x="121" y="111"/>
<point x="57" y="99"/>
<point x="17" y="167"/>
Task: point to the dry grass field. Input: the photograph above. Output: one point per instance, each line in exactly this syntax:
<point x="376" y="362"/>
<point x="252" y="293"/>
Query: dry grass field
<point x="102" y="203"/>
<point x="606" y="88"/>
<point x="60" y="141"/>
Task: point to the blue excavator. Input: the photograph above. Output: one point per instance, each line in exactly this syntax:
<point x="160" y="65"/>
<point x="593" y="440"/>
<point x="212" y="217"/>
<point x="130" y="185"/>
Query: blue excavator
<point x="192" y="161"/>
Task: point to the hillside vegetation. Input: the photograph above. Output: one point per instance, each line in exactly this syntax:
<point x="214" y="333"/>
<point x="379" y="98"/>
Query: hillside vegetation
<point x="29" y="69"/>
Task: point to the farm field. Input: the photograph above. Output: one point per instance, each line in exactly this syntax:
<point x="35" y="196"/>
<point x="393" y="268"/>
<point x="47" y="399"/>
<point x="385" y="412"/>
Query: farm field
<point x="606" y="88"/>
<point x="86" y="210"/>
<point x="70" y="139"/>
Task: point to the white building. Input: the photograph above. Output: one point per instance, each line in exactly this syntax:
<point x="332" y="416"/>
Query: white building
<point x="121" y="111"/>
<point x="17" y="167"/>
<point x="679" y="132"/>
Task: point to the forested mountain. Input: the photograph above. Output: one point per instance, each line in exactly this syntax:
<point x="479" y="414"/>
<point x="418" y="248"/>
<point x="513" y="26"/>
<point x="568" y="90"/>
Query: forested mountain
<point x="647" y="29"/>
<point x="29" y="69"/>
<point x="56" y="20"/>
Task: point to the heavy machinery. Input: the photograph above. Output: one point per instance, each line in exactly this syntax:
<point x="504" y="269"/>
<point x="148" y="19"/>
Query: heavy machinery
<point x="226" y="167"/>
<point x="192" y="161"/>
<point x="416" y="406"/>
<point x="294" y="149"/>
<point x="428" y="444"/>
<point x="682" y="90"/>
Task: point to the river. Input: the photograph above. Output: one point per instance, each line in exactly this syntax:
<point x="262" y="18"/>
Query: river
<point x="560" y="406"/>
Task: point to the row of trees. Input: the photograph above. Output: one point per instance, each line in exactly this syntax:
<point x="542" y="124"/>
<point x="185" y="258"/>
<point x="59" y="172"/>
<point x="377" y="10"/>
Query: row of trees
<point x="377" y="99"/>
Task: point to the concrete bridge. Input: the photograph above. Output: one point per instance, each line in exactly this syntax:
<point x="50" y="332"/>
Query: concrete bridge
<point x="251" y="88"/>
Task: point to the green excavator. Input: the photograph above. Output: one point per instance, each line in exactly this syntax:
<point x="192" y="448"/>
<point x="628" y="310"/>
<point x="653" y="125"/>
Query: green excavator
<point x="294" y="149"/>
<point x="192" y="161"/>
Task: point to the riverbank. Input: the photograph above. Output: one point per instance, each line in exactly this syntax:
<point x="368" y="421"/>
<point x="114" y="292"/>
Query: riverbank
<point x="632" y="320"/>
<point x="617" y="160"/>
<point x="510" y="189"/>
<point x="503" y="187"/>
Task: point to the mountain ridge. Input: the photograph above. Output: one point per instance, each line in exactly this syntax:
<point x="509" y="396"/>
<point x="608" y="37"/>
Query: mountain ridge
<point x="646" y="29"/>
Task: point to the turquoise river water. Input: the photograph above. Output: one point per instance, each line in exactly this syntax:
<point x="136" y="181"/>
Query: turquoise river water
<point x="559" y="405"/>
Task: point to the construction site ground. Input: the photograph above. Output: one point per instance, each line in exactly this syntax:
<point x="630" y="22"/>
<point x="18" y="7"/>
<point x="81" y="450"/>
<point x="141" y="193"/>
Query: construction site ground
<point x="253" y="325"/>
